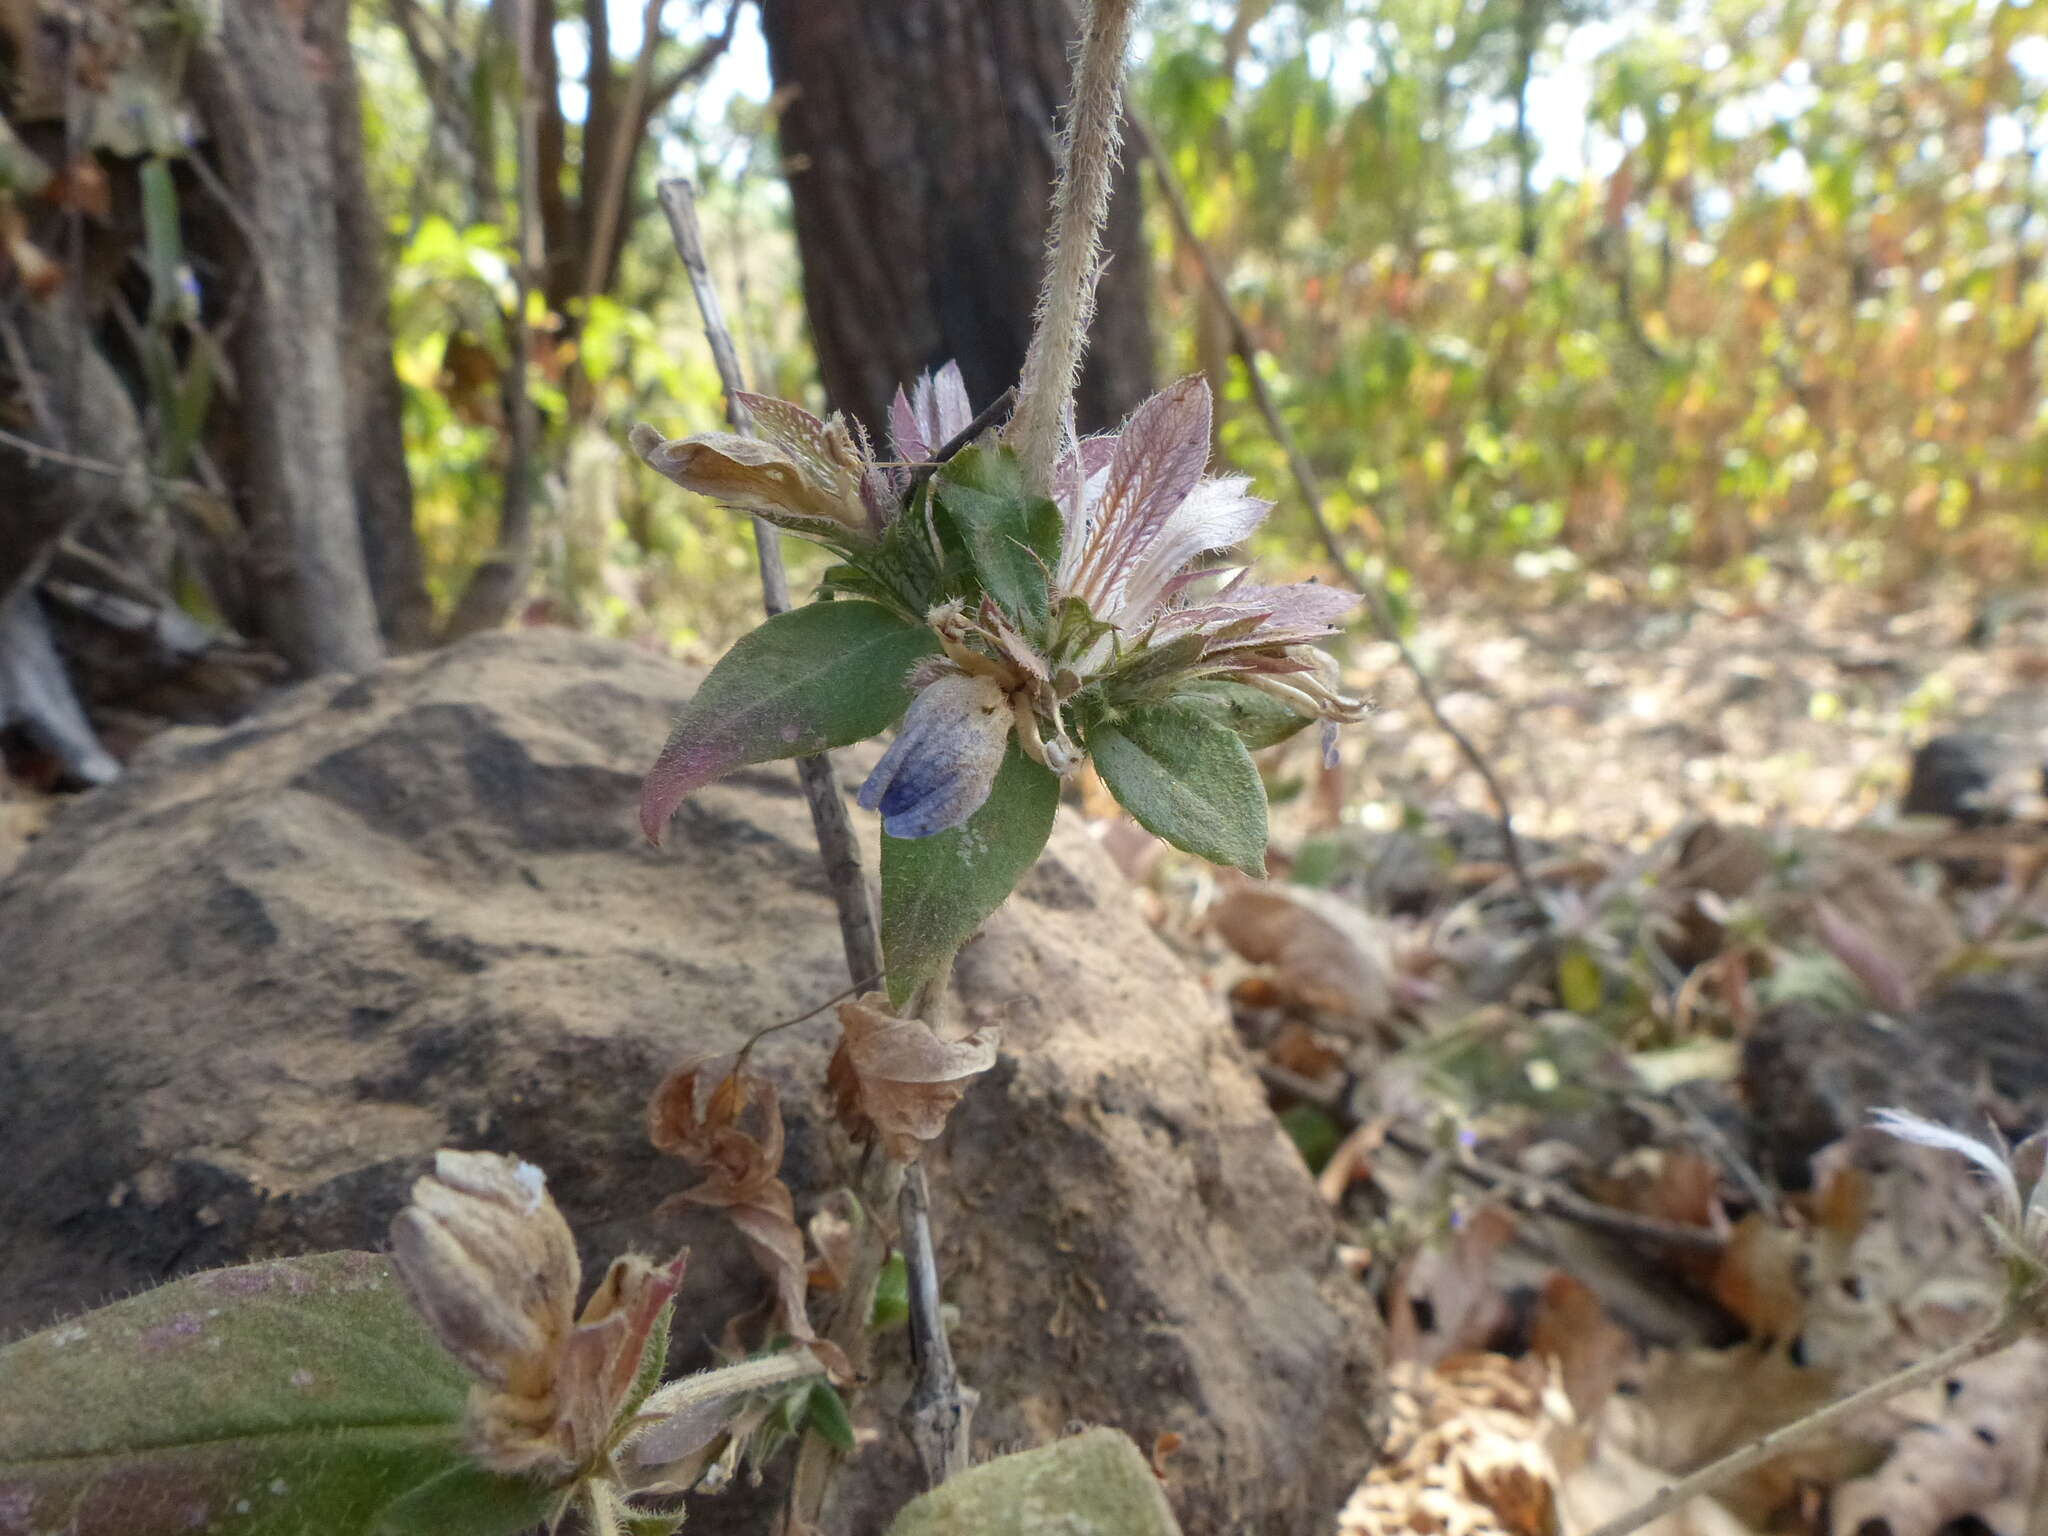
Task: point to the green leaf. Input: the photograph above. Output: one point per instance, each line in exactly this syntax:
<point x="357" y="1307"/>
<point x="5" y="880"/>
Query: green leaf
<point x="1257" y="718"/>
<point x="892" y="1296"/>
<point x="653" y="1361"/>
<point x="819" y="676"/>
<point x="1012" y="536"/>
<point x="1579" y="983"/>
<point x="1314" y="1134"/>
<point x="161" y="240"/>
<point x="464" y="1499"/>
<point x="271" y="1400"/>
<point x="936" y="891"/>
<point x="826" y="1411"/>
<point x="1188" y="780"/>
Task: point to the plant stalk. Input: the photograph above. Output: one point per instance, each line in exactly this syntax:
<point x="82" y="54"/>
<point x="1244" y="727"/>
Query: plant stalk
<point x="1080" y="203"/>
<point x="837" y="845"/>
<point x="938" y="1382"/>
<point x="1309" y="486"/>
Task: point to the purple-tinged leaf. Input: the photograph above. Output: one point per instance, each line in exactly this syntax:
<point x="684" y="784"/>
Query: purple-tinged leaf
<point x="1216" y="514"/>
<point x="817" y="677"/>
<point x="1160" y="455"/>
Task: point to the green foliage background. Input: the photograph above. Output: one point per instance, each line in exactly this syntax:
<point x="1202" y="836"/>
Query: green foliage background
<point x="1790" y="314"/>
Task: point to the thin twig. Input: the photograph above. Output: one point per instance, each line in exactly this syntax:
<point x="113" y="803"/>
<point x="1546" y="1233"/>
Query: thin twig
<point x="834" y="827"/>
<point x="883" y="1176"/>
<point x="2007" y="1330"/>
<point x="991" y="413"/>
<point x="611" y="186"/>
<point x="696" y="66"/>
<point x="25" y="371"/>
<point x="940" y="1412"/>
<point x="84" y="465"/>
<point x="1312" y="497"/>
<point x="810" y="1013"/>
<point x="1526" y="1191"/>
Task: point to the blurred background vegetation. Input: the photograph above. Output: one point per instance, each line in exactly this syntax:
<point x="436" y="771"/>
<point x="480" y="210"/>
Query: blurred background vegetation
<point x="1559" y="296"/>
<point x="1545" y="288"/>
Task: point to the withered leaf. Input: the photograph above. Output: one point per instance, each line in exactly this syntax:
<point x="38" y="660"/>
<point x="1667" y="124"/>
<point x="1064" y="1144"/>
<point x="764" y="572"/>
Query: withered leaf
<point x="490" y="1264"/>
<point x="899" y="1077"/>
<point x="1973" y="1457"/>
<point x="743" y="1178"/>
<point x="1326" y="955"/>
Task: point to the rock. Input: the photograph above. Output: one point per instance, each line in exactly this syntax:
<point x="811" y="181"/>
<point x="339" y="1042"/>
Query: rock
<point x="1969" y="1054"/>
<point x="1953" y="776"/>
<point x="1092" y="1484"/>
<point x="250" y="986"/>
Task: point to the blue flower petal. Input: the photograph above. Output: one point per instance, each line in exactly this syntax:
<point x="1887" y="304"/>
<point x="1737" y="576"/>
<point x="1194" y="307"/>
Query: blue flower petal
<point x="940" y="768"/>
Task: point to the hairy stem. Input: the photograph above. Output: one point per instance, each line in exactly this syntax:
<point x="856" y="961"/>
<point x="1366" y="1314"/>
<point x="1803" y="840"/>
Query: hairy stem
<point x="1080" y="202"/>
<point x="730" y="1381"/>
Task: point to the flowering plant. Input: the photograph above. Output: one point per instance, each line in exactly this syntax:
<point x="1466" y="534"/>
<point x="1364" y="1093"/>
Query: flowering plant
<point x="1015" y="632"/>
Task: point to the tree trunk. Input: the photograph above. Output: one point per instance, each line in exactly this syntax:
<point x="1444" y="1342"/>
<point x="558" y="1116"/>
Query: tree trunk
<point x="269" y="130"/>
<point x="376" y="433"/>
<point x="1528" y="33"/>
<point x="920" y="140"/>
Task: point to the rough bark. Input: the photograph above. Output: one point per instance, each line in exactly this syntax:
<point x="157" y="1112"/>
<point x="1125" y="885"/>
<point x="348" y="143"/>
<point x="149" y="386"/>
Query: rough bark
<point x="376" y="429"/>
<point x="268" y="128"/>
<point x="920" y="143"/>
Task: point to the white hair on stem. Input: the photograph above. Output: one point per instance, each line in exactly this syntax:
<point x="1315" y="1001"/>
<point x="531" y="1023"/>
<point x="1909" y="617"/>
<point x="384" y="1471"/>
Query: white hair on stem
<point x="1080" y="202"/>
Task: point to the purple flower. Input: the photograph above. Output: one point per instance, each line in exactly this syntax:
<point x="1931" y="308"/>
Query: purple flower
<point x="1137" y="512"/>
<point x="934" y="413"/>
<point x="944" y="759"/>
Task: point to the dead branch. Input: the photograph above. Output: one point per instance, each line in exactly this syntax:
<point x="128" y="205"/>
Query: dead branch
<point x="2002" y="1332"/>
<point x="695" y="67"/>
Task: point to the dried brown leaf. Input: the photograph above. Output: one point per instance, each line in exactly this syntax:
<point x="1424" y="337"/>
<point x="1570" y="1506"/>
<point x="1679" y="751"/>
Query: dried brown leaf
<point x="1875" y="968"/>
<point x="1684" y="1410"/>
<point x="899" y="1076"/>
<point x="1759" y="1278"/>
<point x="1973" y="1449"/>
<point x="835" y="1237"/>
<point x="1571" y="1327"/>
<point x="742" y="1178"/>
<point x="1467" y="1456"/>
<point x="1447" y="1299"/>
<point x="1326" y="955"/>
